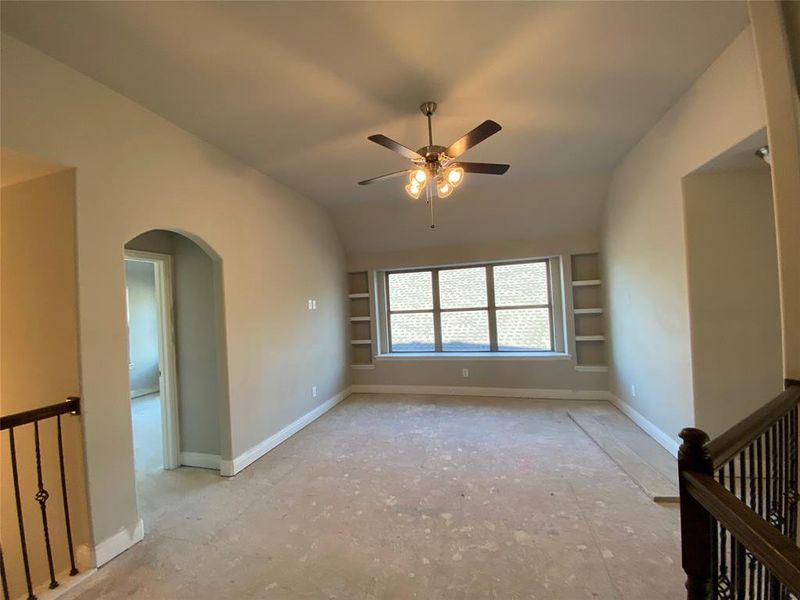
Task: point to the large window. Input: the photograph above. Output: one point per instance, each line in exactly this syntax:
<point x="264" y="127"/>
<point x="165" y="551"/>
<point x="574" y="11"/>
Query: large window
<point x="482" y="308"/>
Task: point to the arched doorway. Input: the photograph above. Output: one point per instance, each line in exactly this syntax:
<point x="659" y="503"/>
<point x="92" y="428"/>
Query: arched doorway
<point x="177" y="372"/>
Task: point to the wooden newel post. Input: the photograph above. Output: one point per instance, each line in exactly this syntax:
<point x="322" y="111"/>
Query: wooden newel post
<point x="696" y="531"/>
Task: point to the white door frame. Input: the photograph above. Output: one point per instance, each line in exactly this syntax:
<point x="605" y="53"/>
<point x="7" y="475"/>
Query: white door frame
<point x="168" y="375"/>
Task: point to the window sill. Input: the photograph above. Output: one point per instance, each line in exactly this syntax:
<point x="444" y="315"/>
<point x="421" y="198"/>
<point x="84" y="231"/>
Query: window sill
<point x="474" y="356"/>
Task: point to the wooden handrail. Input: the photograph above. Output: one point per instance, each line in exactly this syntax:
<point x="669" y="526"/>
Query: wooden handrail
<point x="724" y="447"/>
<point x="72" y="405"/>
<point x="774" y="550"/>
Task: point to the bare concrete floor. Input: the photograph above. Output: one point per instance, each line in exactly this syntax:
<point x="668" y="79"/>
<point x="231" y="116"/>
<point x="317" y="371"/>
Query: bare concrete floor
<point x="398" y="497"/>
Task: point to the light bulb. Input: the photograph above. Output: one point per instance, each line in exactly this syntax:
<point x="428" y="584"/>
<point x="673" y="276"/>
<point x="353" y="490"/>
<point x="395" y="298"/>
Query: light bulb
<point x="419" y="176"/>
<point x="413" y="190"/>
<point x="455" y="176"/>
<point x="444" y="189"/>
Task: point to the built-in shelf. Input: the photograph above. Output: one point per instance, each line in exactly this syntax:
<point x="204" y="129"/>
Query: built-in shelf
<point x="585" y="282"/>
<point x="587" y="299"/>
<point x="592" y="368"/>
<point x="359" y="292"/>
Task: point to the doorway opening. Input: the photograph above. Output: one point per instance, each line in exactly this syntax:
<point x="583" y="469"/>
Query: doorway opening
<point x="177" y="374"/>
<point x="151" y="360"/>
<point x="734" y="302"/>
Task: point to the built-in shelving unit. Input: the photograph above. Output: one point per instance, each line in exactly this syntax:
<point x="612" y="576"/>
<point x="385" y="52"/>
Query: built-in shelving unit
<point x="360" y="318"/>
<point x="585" y="282"/>
<point x="587" y="303"/>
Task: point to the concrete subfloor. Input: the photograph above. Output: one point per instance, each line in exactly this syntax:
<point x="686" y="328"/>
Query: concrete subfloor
<point x="398" y="497"/>
<point x="148" y="452"/>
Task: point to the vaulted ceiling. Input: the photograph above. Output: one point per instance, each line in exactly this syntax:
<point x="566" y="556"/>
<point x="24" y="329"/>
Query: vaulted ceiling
<point x="295" y="88"/>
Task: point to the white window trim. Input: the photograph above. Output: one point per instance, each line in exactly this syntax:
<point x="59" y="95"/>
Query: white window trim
<point x="557" y="306"/>
<point x="461" y="356"/>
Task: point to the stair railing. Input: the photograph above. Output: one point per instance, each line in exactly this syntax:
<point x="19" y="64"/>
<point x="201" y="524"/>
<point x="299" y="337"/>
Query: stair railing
<point x="41" y="495"/>
<point x="739" y="506"/>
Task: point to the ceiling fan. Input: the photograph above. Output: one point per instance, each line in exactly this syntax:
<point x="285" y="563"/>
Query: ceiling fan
<point x="433" y="163"/>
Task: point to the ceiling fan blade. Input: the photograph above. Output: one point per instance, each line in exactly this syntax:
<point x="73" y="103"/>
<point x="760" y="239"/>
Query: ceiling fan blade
<point x="382" y="177"/>
<point x="483" y="168"/>
<point x="473" y="138"/>
<point x="389" y="143"/>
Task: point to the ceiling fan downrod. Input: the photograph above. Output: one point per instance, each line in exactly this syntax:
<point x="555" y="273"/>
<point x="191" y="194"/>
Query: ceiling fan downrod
<point x="428" y="108"/>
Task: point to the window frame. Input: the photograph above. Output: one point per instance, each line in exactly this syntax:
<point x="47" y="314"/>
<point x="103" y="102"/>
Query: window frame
<point x="491" y="308"/>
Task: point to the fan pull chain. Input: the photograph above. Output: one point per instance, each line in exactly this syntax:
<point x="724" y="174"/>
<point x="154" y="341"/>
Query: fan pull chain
<point x="430" y="203"/>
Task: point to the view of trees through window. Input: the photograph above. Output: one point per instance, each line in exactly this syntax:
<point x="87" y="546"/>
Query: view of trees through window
<point x="486" y="308"/>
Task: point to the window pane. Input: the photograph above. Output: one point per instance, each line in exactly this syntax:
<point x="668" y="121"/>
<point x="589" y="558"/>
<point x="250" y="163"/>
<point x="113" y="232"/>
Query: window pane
<point x="463" y="288"/>
<point x="412" y="332"/>
<point x="521" y="329"/>
<point x="410" y="291"/>
<point x="465" y="331"/>
<point x="521" y="284"/>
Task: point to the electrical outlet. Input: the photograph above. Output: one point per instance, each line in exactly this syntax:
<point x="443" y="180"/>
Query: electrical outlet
<point x="314" y="391"/>
<point x="465" y="372"/>
<point x="633" y="391"/>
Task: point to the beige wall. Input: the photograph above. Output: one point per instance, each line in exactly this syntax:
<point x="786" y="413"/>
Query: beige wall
<point x="549" y="374"/>
<point x="644" y="240"/>
<point x="137" y="172"/>
<point x="40" y="365"/>
<point x="734" y="306"/>
<point x="199" y="354"/>
<point x="791" y="16"/>
<point x="783" y="129"/>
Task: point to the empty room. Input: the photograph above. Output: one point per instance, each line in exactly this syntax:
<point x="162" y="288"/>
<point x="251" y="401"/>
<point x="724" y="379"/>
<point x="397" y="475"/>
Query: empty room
<point x="392" y="300"/>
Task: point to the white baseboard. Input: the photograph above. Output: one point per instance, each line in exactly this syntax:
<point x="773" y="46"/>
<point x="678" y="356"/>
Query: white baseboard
<point x="228" y="468"/>
<point x="66" y="582"/>
<point x="117" y="544"/>
<point x="648" y="427"/>
<point x="654" y="432"/>
<point x="443" y="390"/>
<point x="200" y="460"/>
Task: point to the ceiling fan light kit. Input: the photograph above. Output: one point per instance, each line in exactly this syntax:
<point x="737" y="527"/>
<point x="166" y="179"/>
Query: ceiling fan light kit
<point x="435" y="167"/>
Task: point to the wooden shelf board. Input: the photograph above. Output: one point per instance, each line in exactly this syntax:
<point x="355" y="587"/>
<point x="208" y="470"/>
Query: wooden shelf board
<point x="588" y="311"/>
<point x="362" y="367"/>
<point x="360" y="342"/>
<point x="360" y="319"/>
<point x="590" y="338"/>
<point x="358" y="295"/>
<point x="585" y="282"/>
<point x="592" y="368"/>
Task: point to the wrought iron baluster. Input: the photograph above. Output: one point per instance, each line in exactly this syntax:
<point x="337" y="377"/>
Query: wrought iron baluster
<point x="23" y="543"/>
<point x="3" y="577"/>
<point x="753" y="563"/>
<point x="775" y="516"/>
<point x="760" y="503"/>
<point x="794" y="495"/>
<point x="768" y="458"/>
<point x="734" y="563"/>
<point x="723" y="588"/>
<point x="741" y="568"/>
<point x="41" y="497"/>
<point x="67" y="521"/>
<point x="783" y="428"/>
